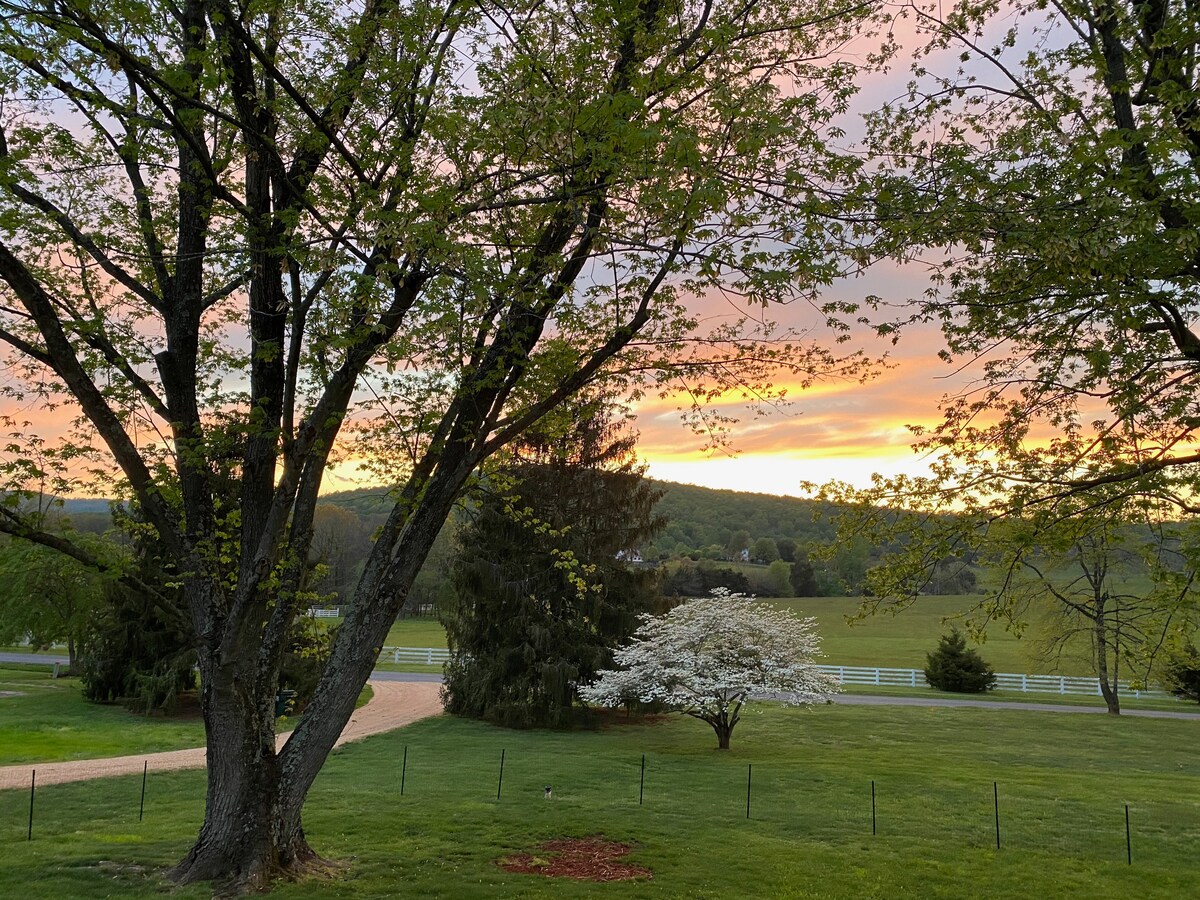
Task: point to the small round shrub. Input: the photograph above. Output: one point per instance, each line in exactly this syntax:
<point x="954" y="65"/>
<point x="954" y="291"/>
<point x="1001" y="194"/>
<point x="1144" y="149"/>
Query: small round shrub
<point x="952" y="667"/>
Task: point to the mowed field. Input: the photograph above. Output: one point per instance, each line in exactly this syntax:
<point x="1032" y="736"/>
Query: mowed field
<point x="1063" y="783"/>
<point x="47" y="720"/>
<point x="890" y="641"/>
<point x="886" y="640"/>
<point x="902" y="640"/>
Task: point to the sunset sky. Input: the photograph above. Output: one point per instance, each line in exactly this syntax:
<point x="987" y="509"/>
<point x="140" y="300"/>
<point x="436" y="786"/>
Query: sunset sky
<point x="836" y="429"/>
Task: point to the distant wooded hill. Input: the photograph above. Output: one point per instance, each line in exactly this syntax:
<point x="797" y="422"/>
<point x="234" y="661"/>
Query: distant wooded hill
<point x="698" y="516"/>
<point x="747" y="530"/>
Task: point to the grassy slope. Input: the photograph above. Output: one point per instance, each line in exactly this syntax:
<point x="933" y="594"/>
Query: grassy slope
<point x="902" y="640"/>
<point x="1063" y="783"/>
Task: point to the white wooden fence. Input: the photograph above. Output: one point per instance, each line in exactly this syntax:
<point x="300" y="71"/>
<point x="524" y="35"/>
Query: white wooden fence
<point x="1029" y="684"/>
<point x="425" y="656"/>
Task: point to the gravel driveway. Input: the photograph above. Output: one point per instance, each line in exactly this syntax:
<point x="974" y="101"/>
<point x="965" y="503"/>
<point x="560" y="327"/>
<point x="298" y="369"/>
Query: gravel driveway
<point x="393" y="704"/>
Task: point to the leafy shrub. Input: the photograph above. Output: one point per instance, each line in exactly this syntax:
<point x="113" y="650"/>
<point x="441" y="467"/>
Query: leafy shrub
<point x="1181" y="675"/>
<point x="309" y="645"/>
<point x="953" y="667"/>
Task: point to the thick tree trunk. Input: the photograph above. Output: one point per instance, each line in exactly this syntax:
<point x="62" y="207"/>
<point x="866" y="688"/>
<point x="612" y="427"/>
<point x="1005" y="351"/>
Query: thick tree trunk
<point x="248" y="836"/>
<point x="723" y="725"/>
<point x="252" y="831"/>
<point x="723" y="735"/>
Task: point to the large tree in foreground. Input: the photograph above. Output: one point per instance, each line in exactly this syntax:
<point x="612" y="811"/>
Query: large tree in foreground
<point x="707" y="658"/>
<point x="232" y="232"/>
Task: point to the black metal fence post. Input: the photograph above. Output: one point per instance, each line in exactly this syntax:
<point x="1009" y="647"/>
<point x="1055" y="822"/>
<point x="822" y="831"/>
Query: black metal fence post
<point x="873" y="829"/>
<point x="996" y="806"/>
<point x="500" y="780"/>
<point x="403" y="770"/>
<point x="642" y="785"/>
<point x="749" y="773"/>
<point x="1128" y="841"/>
<point x="142" y="802"/>
<point x="32" y="787"/>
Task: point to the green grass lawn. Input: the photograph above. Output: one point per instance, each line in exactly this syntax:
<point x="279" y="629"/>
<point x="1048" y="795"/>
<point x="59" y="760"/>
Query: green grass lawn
<point x="902" y="640"/>
<point x="51" y="721"/>
<point x="417" y="632"/>
<point x="1063" y="784"/>
<point x="889" y="641"/>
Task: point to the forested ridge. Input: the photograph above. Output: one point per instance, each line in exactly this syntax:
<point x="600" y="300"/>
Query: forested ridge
<point x="702" y="524"/>
<point x="697" y="516"/>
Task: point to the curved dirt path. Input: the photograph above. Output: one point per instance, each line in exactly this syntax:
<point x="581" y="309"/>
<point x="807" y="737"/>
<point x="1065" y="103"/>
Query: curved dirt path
<point x="393" y="704"/>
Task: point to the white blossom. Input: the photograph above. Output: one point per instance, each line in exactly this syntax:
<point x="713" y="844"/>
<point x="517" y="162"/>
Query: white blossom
<point x="707" y="657"/>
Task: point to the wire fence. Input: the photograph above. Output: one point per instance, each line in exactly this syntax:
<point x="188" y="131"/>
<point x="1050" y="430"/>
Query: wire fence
<point x="1007" y="814"/>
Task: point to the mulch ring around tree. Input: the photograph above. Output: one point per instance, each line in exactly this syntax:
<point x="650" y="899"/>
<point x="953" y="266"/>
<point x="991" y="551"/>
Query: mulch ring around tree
<point x="587" y="859"/>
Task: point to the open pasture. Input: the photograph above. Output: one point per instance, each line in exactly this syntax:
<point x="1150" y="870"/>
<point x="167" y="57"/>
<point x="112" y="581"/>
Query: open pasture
<point x="886" y="640"/>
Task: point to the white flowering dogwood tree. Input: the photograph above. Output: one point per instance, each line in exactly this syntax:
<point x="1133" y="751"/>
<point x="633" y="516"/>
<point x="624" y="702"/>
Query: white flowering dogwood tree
<point x="708" y="657"/>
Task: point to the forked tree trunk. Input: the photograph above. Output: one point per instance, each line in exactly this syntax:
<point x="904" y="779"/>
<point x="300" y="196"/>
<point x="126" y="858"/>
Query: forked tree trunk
<point x="252" y="831"/>
<point x="723" y="724"/>
<point x="1109" y="687"/>
<point x="248" y="837"/>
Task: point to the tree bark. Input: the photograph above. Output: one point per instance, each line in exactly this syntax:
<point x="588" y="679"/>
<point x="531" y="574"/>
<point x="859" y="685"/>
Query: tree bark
<point x="1110" y="690"/>
<point x="248" y="836"/>
<point x="252" y="830"/>
<point x="723" y="726"/>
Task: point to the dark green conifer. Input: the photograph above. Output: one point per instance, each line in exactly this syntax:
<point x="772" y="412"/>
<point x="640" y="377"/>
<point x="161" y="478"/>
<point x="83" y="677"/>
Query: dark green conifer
<point x="953" y="667"/>
<point x="545" y="585"/>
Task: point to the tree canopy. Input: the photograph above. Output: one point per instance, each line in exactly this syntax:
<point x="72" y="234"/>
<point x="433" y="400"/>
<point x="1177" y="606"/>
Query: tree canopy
<point x="240" y="241"/>
<point x="1043" y="167"/>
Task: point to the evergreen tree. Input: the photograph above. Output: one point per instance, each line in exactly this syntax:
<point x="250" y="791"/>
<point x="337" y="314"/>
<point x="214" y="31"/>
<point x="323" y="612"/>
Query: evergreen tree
<point x="952" y="667"/>
<point x="544" y="590"/>
<point x="137" y="648"/>
<point x="1182" y="672"/>
<point x="804" y="579"/>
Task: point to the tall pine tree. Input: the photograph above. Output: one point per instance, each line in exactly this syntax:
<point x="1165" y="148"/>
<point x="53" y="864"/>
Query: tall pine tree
<point x="544" y="585"/>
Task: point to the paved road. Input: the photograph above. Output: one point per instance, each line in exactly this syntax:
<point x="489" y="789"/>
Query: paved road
<point x="847" y="699"/>
<point x="47" y="659"/>
<point x="872" y="700"/>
